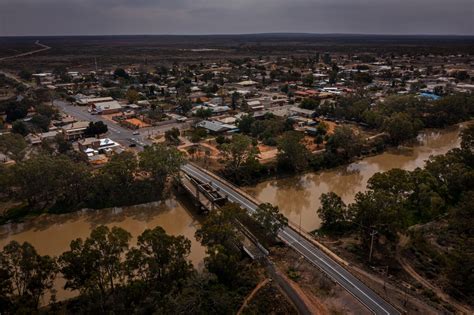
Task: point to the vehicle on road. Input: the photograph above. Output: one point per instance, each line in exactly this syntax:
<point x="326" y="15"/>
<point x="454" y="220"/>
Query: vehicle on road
<point x="136" y="133"/>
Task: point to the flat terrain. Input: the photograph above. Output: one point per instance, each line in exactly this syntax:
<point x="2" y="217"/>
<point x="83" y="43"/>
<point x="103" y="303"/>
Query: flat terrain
<point x="80" y="52"/>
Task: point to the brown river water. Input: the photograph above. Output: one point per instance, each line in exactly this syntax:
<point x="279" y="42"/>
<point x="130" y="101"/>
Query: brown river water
<point x="297" y="197"/>
<point x="52" y="234"/>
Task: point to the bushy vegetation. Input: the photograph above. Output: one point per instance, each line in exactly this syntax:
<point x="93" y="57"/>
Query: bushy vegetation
<point x="60" y="184"/>
<point x="401" y="116"/>
<point x="398" y="200"/>
<point x="154" y="276"/>
<point x="41" y="113"/>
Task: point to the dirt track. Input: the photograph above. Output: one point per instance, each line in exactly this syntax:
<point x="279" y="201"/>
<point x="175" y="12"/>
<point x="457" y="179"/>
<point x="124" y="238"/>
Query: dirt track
<point x="44" y="48"/>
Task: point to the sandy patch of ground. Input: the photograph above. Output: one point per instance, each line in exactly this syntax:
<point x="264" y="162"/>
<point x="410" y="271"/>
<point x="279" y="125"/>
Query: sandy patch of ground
<point x="267" y="153"/>
<point x="137" y="122"/>
<point x="330" y="124"/>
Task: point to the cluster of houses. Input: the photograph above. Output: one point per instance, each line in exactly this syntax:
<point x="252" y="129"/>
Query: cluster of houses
<point x="226" y="91"/>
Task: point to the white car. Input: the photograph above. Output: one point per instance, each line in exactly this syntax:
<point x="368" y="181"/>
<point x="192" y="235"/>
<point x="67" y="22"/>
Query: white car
<point x="136" y="133"/>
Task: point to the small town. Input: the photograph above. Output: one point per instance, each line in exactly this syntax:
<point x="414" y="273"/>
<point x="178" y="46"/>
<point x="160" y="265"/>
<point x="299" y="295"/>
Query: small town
<point x="198" y="108"/>
<point x="201" y="157"/>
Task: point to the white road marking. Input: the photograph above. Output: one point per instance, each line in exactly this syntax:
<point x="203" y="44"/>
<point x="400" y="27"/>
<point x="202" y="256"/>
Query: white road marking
<point x="252" y="206"/>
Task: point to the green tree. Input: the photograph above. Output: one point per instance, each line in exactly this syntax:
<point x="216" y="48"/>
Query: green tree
<point x="198" y="134"/>
<point x="161" y="162"/>
<point x="13" y="145"/>
<point x="25" y="276"/>
<point x="309" y="103"/>
<point x="20" y="128"/>
<point x="460" y="273"/>
<point x="172" y="136"/>
<point x="41" y="122"/>
<point x="224" y="263"/>
<point x="332" y="212"/>
<point x="117" y="178"/>
<point x="16" y="110"/>
<point x="96" y="128"/>
<point x="344" y="143"/>
<point x="25" y="75"/>
<point x="245" y="123"/>
<point x="63" y="145"/>
<point x="96" y="266"/>
<point x="270" y="219"/>
<point x="132" y="96"/>
<point x="220" y="235"/>
<point x="467" y="138"/>
<point x="204" y="113"/>
<point x="401" y="127"/>
<point x="219" y="228"/>
<point x="47" y="111"/>
<point x="238" y="151"/>
<point x="184" y="105"/>
<point x="292" y="154"/>
<point x="308" y="80"/>
<point x="160" y="260"/>
<point x="381" y="212"/>
<point x="121" y="73"/>
<point x="44" y="181"/>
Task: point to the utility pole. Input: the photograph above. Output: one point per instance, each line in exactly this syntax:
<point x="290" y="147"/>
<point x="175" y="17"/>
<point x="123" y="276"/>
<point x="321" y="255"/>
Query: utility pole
<point x="300" y="226"/>
<point x="372" y="234"/>
<point x="385" y="278"/>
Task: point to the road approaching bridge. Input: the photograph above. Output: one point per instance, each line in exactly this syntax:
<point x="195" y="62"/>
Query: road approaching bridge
<point x="300" y="243"/>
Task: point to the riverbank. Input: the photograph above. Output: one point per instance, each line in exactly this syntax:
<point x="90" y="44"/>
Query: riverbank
<point x="298" y="196"/>
<point x="52" y="234"/>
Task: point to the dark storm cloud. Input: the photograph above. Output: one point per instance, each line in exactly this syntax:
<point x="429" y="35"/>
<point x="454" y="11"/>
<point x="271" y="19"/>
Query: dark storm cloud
<point x="58" y="17"/>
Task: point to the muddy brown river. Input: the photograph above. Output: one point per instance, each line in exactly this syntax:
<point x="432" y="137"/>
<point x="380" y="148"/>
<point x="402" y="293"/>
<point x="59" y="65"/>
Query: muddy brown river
<point x="52" y="234"/>
<point x="297" y="197"/>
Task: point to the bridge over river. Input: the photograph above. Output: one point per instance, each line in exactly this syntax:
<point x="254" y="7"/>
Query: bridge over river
<point x="299" y="241"/>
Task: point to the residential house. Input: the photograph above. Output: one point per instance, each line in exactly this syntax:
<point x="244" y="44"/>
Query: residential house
<point x="105" y="108"/>
<point x="215" y="127"/>
<point x="75" y="130"/>
<point x="93" y="146"/>
<point x="302" y="112"/>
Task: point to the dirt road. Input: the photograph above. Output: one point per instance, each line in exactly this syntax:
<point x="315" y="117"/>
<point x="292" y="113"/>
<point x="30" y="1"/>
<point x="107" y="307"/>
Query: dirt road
<point x="43" y="48"/>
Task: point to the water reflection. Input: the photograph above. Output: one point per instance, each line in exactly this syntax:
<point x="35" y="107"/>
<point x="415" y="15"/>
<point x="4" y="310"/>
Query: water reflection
<point x="298" y="197"/>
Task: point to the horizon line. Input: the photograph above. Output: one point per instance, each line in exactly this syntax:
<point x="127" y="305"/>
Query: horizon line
<point x="248" y="34"/>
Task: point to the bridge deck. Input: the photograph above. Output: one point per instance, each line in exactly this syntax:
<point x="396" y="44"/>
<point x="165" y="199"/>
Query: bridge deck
<point x="300" y="243"/>
<point x="200" y="198"/>
<point x="203" y="193"/>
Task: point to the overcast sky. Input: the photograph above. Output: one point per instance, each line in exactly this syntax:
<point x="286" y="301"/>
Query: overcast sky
<point x="102" y="17"/>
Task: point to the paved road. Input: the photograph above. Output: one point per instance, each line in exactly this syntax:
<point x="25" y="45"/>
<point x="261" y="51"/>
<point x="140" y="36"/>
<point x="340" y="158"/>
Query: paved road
<point x="43" y="48"/>
<point x="116" y="132"/>
<point x="307" y="249"/>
